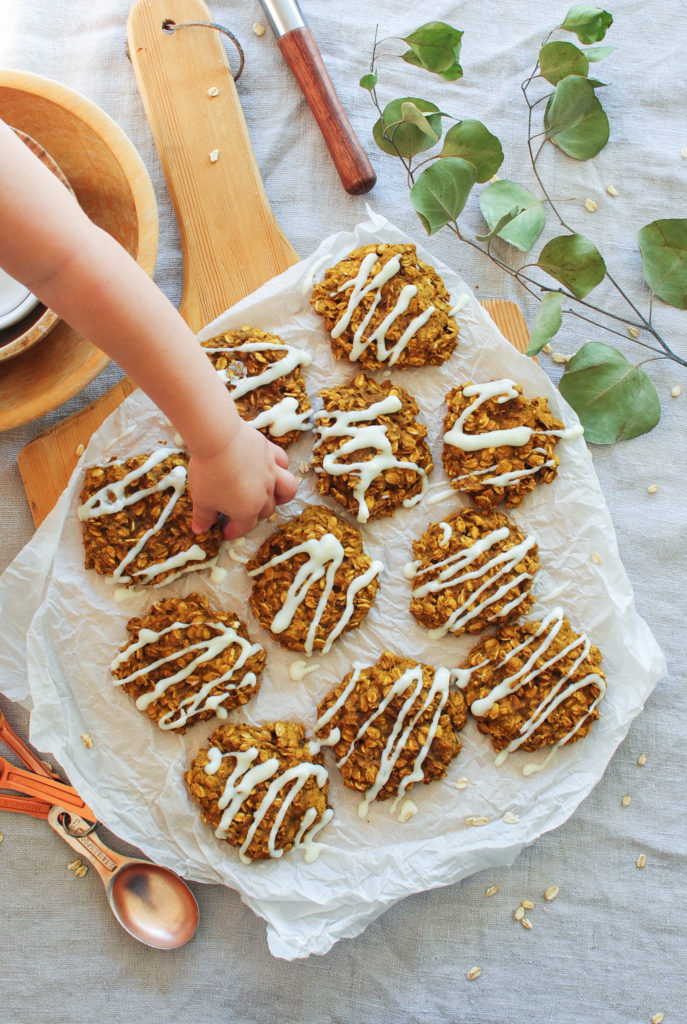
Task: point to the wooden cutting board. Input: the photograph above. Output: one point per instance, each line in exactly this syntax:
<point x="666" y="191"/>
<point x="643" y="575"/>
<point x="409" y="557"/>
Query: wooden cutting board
<point x="231" y="242"/>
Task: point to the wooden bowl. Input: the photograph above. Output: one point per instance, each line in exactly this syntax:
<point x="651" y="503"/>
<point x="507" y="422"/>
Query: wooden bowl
<point x="112" y="186"/>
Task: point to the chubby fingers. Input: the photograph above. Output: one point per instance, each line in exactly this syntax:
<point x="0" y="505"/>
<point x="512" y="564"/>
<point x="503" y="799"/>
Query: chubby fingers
<point x="285" y="485"/>
<point x="238" y="527"/>
<point x="204" y="516"/>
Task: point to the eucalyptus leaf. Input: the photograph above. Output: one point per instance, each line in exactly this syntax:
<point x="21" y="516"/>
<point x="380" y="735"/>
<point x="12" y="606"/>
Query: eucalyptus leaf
<point x="435" y="47"/>
<point x="471" y="140"/>
<point x="588" y="23"/>
<point x="557" y="60"/>
<point x="500" y="224"/>
<point x="413" y="115"/>
<point x="573" y="99"/>
<point x="614" y="399"/>
<point x="596" y="53"/>
<point x="369" y="81"/>
<point x="499" y="199"/>
<point x="575" y="262"/>
<point x="663" y="245"/>
<point x="588" y="136"/>
<point x="407" y="137"/>
<point x="441" y="191"/>
<point x="547" y="322"/>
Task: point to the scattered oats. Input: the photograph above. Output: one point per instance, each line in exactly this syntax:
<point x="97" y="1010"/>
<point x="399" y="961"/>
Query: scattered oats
<point x="677" y="390"/>
<point x="74" y="865"/>
<point x="560" y="357"/>
<point x="527" y="904"/>
<point x="299" y="478"/>
<point x="590" y="205"/>
<point x="551" y="892"/>
<point x="612" y="190"/>
<point x="80" y="449"/>
<point x="214" y="156"/>
<point x="547" y="348"/>
<point x="652" y="488"/>
<point x="658" y="1018"/>
<point x="526" y="923"/>
<point x="641" y="860"/>
<point x="1" y="837"/>
<point x="473" y="973"/>
<point x="478" y="820"/>
<point x="641" y="760"/>
<point x="258" y="28"/>
<point x="46" y="764"/>
<point x="386" y="374"/>
<point x="683" y="152"/>
<point x="596" y="558"/>
<point x="510" y="819"/>
<point x="87" y="739"/>
<point x="519" y="913"/>
<point x="493" y="178"/>
<point x="461" y="783"/>
<point x="626" y="800"/>
<point x="213" y="91"/>
<point x="273" y="518"/>
<point x="492" y="890"/>
<point x="304" y="466"/>
<point x="633" y="332"/>
<point x="80" y="871"/>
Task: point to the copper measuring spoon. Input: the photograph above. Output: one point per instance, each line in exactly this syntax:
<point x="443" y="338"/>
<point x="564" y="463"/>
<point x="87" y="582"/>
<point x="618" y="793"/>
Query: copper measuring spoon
<point x="151" y="902"/>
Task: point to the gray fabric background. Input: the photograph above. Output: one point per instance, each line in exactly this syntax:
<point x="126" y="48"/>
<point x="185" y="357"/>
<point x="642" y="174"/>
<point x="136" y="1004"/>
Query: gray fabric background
<point x="611" y="948"/>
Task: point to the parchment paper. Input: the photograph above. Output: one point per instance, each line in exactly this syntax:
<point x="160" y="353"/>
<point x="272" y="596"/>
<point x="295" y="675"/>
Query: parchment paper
<point x="62" y="627"/>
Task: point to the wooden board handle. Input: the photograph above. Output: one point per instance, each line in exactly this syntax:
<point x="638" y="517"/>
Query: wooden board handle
<point x="303" y="56"/>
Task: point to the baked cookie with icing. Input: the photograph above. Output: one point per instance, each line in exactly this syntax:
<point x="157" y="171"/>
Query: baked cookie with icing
<point x="371" y="452"/>
<point x="312" y="581"/>
<point x="498" y="445"/>
<point x="472" y="570"/>
<point x="187" y="661"/>
<point x="391" y="724"/>
<point x="264" y="377"/>
<point x="533" y="684"/>
<point x="262" y="789"/>
<point x="136" y="519"/>
<point x="385" y="307"/>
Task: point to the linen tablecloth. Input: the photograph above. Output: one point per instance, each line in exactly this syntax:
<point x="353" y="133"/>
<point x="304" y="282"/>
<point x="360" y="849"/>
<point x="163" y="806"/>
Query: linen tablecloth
<point x="611" y="947"/>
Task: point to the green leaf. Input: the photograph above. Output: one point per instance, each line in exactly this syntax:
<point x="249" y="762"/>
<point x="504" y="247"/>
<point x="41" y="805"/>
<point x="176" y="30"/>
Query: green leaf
<point x="583" y="136"/>
<point x="575" y="262"/>
<point x="407" y="137"/>
<point x="369" y="81"/>
<point x="588" y="23"/>
<point x="472" y="141"/>
<point x="663" y="245"/>
<point x="596" y="53"/>
<point x="413" y="115"/>
<point x="499" y="199"/>
<point x="441" y="191"/>
<point x="558" y="60"/>
<point x="500" y="224"/>
<point x="547" y="322"/>
<point x="435" y="47"/>
<point x="614" y="399"/>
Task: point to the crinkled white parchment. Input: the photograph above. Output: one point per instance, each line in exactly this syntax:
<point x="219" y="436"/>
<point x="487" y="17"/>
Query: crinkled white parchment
<point x="62" y="627"/>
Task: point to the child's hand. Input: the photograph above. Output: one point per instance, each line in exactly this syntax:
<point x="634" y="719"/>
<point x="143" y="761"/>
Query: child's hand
<point x="245" y="481"/>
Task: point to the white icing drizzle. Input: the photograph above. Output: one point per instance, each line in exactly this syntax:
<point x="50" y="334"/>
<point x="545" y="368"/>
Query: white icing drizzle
<point x="311" y="276"/>
<point x="111" y="498"/>
<point x="283" y="416"/>
<point x="325" y="555"/>
<point x="503" y="391"/>
<point x="122" y="437"/>
<point x="360" y="287"/>
<point x="372" y="436"/>
<point x="456" y="570"/>
<point x="218" y="574"/>
<point x="204" y="651"/>
<point x="299" y="669"/>
<point x="409" y="682"/>
<point x="546" y="633"/>
<point x="408" y="810"/>
<point x="461" y="303"/>
<point x="243" y="780"/>
<point x="435" y="499"/>
<point x="236" y="550"/>
<point x="446" y="534"/>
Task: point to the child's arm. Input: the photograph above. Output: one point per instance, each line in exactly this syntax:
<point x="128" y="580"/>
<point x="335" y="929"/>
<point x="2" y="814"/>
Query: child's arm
<point x="81" y="272"/>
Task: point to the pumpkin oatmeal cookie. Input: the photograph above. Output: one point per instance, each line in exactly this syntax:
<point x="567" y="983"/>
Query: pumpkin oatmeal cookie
<point x="312" y="581"/>
<point x="371" y="454"/>
<point x="471" y="570"/>
<point x="186" y="661"/>
<point x="498" y="445"/>
<point x="264" y="377"/>
<point x="391" y="724"/>
<point x="262" y="789"/>
<point x="384" y="306"/>
<point x="136" y="519"/>
<point x="533" y="684"/>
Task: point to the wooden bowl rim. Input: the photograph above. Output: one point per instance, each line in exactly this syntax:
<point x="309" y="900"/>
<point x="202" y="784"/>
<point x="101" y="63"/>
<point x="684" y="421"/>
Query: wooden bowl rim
<point x="145" y="208"/>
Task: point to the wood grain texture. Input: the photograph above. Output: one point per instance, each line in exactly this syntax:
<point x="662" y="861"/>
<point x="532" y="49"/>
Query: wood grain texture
<point x="58" y="448"/>
<point x="302" y="54"/>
